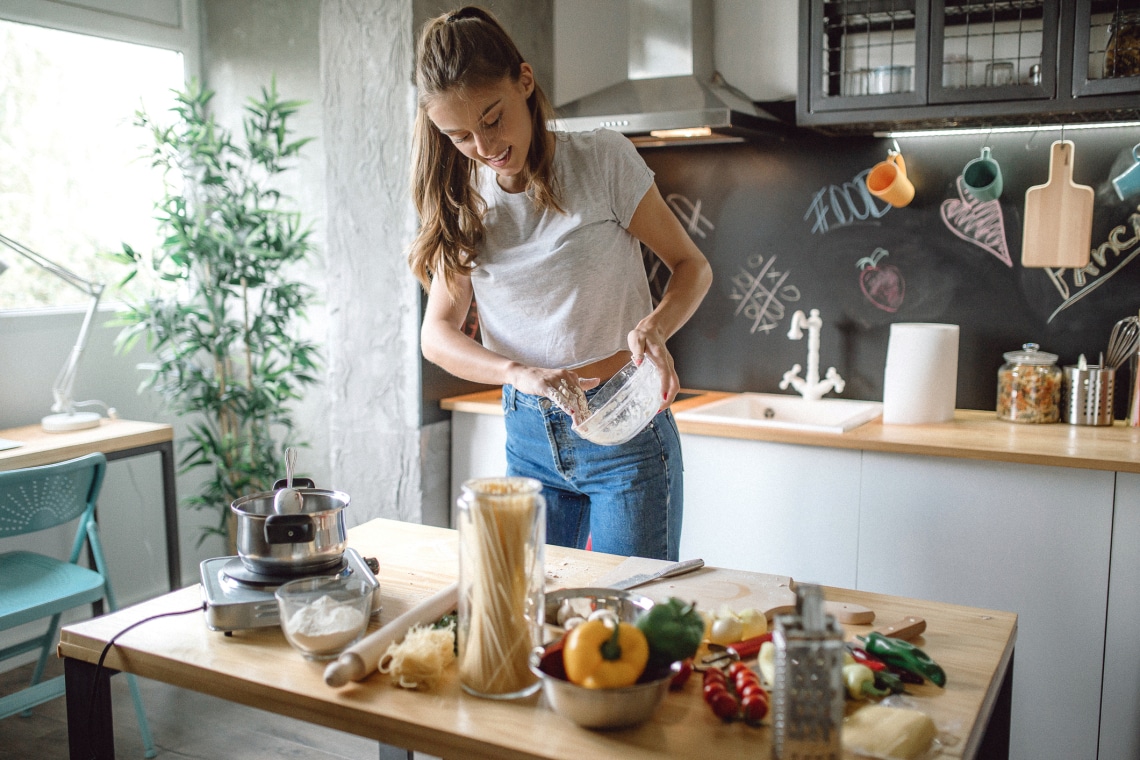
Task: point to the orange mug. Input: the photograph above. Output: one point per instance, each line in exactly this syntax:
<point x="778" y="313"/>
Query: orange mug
<point x="887" y="180"/>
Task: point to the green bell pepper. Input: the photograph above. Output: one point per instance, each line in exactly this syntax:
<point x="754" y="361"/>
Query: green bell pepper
<point x="902" y="654"/>
<point x="674" y="630"/>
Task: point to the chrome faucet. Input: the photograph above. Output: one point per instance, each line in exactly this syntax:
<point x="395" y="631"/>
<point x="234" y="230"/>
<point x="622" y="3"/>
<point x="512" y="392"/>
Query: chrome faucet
<point x="810" y="386"/>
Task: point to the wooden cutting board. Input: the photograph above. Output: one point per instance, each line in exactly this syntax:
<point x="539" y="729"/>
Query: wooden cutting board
<point x="1058" y="216"/>
<point x="736" y="589"/>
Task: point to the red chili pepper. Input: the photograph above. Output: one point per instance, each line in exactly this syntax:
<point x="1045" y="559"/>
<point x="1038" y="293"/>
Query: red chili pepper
<point x="748" y="647"/>
<point x="681" y="677"/>
<point x="870" y="661"/>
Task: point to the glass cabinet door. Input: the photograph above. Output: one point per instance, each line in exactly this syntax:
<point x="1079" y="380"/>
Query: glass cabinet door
<point x="993" y="50"/>
<point x="867" y="53"/>
<point x="1106" y="47"/>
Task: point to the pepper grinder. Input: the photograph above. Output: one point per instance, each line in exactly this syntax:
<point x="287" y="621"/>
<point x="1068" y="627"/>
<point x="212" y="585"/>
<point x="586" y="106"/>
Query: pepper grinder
<point x="808" y="693"/>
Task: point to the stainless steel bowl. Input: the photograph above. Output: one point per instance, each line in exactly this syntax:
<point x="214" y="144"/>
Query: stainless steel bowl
<point x="599" y="708"/>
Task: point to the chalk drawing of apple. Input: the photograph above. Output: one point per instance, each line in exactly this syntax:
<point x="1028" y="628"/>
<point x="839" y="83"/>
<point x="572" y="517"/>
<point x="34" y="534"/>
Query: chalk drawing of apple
<point x="883" y="285"/>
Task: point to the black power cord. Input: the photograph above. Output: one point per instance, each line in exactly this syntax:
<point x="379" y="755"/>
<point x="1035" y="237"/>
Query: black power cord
<point x="107" y="648"/>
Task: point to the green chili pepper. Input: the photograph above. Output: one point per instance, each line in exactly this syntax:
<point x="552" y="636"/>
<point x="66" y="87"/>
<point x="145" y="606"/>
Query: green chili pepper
<point x="904" y="655"/>
<point x="674" y="630"/>
<point x="888" y="681"/>
<point x="451" y="621"/>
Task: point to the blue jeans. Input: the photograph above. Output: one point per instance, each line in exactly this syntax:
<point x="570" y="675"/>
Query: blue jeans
<point x="629" y="497"/>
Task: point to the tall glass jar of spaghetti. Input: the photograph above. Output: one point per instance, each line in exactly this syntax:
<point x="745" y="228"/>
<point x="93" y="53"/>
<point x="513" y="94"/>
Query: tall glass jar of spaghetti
<point x="502" y="535"/>
<point x="1029" y="386"/>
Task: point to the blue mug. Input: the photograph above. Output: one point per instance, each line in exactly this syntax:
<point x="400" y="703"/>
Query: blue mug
<point x="1128" y="181"/>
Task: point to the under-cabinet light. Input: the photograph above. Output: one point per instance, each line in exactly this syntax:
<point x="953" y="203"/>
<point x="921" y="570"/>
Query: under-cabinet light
<point x="1001" y="130"/>
<point x="685" y="133"/>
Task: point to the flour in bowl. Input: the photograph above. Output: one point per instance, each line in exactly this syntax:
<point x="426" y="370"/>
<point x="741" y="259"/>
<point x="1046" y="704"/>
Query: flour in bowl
<point x="325" y="625"/>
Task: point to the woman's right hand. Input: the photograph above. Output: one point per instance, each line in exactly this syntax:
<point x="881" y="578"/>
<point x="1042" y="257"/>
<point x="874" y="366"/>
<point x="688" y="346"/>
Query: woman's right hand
<point x="562" y="386"/>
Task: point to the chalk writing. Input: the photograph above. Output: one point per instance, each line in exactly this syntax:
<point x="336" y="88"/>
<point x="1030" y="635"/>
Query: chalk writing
<point x="761" y="292"/>
<point x="842" y="205"/>
<point x="977" y="222"/>
<point x="689" y="213"/>
<point x="1099" y="269"/>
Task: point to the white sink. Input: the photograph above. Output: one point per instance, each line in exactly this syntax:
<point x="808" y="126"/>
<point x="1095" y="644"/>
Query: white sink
<point x="772" y="410"/>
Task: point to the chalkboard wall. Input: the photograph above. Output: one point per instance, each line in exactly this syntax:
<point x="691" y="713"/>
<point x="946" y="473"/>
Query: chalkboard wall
<point x="789" y="225"/>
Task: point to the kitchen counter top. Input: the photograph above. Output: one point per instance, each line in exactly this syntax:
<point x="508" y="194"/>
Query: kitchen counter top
<point x="973" y="434"/>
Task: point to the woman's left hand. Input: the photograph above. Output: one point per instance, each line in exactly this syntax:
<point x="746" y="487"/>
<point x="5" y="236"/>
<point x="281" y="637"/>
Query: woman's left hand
<point x="646" y="341"/>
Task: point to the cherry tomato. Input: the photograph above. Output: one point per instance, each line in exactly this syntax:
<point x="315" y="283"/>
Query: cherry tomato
<point x="681" y="677"/>
<point x="754" y="708"/>
<point x="738" y="667"/>
<point x="750" y="689"/>
<point x="711" y="689"/>
<point x="724" y="705"/>
<point x="714" y="674"/>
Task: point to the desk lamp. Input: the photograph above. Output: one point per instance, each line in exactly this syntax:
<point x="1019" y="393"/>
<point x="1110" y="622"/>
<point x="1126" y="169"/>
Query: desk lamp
<point x="66" y="418"/>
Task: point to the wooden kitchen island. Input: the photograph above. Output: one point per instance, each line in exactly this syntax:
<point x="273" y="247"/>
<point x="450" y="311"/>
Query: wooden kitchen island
<point x="258" y="668"/>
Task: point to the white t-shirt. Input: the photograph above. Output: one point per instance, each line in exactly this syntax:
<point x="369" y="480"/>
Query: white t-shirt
<point x="564" y="289"/>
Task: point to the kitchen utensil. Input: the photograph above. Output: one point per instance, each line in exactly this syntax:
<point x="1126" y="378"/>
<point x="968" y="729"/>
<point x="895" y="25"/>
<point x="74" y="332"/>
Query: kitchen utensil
<point x="1128" y="181"/>
<point x="291" y="545"/>
<point x="982" y="177"/>
<point x="361" y="659"/>
<point x="238" y="599"/>
<point x="622" y="407"/>
<point x="888" y="180"/>
<point x="1133" y="419"/>
<point x="848" y="613"/>
<point x="288" y="500"/>
<point x="1029" y="386"/>
<point x="808" y="696"/>
<point x="597" y="708"/>
<point x="1122" y="342"/>
<point x="1058" y="216"/>
<point x="323" y="616"/>
<point x="1089" y="395"/>
<point x="677" y="568"/>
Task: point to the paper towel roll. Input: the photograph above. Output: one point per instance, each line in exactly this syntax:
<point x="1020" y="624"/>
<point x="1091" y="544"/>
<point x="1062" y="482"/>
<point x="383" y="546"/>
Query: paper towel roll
<point x="921" y="380"/>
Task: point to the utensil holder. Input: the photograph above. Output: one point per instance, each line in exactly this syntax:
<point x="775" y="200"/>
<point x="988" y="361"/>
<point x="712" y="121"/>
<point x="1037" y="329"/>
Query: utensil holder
<point x="1088" y="395"/>
<point x="1134" y="397"/>
<point x="808" y="693"/>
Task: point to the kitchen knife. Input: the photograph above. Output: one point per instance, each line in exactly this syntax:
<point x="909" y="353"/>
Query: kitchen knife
<point x="677" y="568"/>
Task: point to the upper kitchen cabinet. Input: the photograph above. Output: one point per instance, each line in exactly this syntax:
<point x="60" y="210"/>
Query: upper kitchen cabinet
<point x="868" y="65"/>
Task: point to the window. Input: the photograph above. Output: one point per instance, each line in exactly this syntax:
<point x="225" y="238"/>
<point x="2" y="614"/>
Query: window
<point x="75" y="175"/>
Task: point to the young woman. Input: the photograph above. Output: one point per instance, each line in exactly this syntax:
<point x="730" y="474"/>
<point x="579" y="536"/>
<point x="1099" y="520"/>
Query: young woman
<point x="542" y="228"/>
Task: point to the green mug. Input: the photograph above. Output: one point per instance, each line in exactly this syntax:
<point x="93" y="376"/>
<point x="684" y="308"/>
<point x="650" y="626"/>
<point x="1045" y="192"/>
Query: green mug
<point x="982" y="177"/>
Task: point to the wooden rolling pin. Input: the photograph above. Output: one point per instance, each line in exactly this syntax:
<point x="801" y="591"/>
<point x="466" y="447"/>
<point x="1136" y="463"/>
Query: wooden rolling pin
<point x="362" y="658"/>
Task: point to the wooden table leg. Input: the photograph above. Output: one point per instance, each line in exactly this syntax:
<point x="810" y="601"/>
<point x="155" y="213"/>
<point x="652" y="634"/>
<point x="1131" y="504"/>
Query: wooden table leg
<point x="90" y="729"/>
<point x="995" y="741"/>
<point x="170" y="507"/>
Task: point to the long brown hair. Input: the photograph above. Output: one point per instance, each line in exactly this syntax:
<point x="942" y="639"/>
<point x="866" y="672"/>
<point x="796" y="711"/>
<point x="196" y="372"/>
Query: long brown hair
<point x="465" y="48"/>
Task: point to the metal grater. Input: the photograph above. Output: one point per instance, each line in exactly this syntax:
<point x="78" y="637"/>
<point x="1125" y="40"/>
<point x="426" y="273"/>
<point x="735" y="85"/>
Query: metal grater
<point x="808" y="693"/>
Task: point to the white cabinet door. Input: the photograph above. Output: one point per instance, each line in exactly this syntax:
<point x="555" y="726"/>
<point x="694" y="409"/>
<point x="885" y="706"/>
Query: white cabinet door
<point x="772" y="508"/>
<point x="1120" y="701"/>
<point x="1032" y="540"/>
<point x="478" y="449"/>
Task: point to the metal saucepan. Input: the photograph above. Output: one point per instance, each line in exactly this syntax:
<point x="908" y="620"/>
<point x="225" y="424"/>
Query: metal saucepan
<point x="294" y="544"/>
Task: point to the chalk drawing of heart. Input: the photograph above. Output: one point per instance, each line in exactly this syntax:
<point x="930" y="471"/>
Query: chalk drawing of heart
<point x="882" y="285"/>
<point x="977" y="222"/>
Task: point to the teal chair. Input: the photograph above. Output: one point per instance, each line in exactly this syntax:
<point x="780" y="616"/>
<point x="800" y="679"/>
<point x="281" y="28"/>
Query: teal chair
<point x="35" y="587"/>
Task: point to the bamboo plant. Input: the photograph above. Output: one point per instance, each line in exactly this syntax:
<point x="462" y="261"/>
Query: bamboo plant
<point x="220" y="311"/>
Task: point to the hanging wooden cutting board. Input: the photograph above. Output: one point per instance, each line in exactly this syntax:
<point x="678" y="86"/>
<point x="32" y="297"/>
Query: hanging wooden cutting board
<point x="1058" y="216"/>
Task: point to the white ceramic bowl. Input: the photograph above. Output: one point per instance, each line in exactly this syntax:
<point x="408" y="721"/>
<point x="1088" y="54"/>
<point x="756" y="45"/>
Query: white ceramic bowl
<point x="623" y="406"/>
<point x="323" y="616"/>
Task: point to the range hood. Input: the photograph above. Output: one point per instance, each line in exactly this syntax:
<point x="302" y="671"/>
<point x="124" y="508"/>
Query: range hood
<point x="671" y="93"/>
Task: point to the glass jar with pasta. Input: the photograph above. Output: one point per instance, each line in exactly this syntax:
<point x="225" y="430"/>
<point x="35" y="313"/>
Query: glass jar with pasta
<point x="502" y="535"/>
<point x="1029" y="386"/>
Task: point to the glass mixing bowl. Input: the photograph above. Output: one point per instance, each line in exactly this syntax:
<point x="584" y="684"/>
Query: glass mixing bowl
<point x="623" y="406"/>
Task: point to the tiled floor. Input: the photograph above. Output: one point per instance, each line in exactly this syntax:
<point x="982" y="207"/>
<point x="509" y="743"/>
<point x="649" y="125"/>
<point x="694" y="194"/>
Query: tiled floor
<point x="186" y="726"/>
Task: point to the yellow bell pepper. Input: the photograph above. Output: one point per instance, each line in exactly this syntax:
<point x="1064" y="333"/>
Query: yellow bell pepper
<point x="600" y="655"/>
